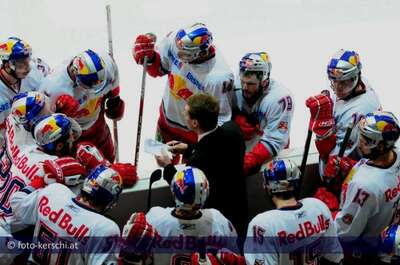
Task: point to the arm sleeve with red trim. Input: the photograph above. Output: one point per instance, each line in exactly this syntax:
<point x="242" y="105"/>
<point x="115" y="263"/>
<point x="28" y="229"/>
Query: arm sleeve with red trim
<point x="255" y="158"/>
<point x="359" y="205"/>
<point x="160" y="63"/>
<point x="154" y="67"/>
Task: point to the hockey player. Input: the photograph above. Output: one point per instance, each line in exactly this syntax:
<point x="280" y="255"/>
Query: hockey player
<point x="27" y="107"/>
<point x="80" y="87"/>
<point x="188" y="223"/>
<point x="19" y="72"/>
<point x="263" y="108"/>
<point x="54" y="135"/>
<point x="78" y="222"/>
<point x="297" y="232"/>
<point x="22" y="162"/>
<point x="193" y="65"/>
<point x="330" y="118"/>
<point x="370" y="196"/>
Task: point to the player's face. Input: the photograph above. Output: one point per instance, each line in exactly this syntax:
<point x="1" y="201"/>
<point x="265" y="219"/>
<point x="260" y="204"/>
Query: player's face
<point x="364" y="146"/>
<point x="250" y="85"/>
<point x="186" y="56"/>
<point x="343" y="88"/>
<point x="21" y="67"/>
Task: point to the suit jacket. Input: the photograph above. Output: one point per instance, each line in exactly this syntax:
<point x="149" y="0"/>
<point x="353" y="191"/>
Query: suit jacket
<point x="220" y="156"/>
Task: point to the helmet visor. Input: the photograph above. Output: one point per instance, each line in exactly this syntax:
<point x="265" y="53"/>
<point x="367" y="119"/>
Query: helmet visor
<point x="90" y="83"/>
<point x="188" y="56"/>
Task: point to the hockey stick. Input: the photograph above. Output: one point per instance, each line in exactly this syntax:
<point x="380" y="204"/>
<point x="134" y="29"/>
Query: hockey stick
<point x="110" y="51"/>
<point x="156" y="175"/>
<point x="141" y="104"/>
<point x="307" y="148"/>
<point x="304" y="159"/>
<point x="346" y="139"/>
<point x="140" y="118"/>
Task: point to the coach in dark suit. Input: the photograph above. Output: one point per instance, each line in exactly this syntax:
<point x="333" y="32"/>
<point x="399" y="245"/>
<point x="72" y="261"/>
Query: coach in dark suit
<point x="219" y="153"/>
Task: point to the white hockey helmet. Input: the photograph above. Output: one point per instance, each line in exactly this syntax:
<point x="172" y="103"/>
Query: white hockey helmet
<point x="103" y="185"/>
<point x="51" y="128"/>
<point x="257" y="62"/>
<point x="380" y="127"/>
<point x="193" y="41"/>
<point x="90" y="70"/>
<point x="190" y="188"/>
<point x="281" y="176"/>
<point x="344" y="65"/>
<point x="26" y="106"/>
<point x="14" y="49"/>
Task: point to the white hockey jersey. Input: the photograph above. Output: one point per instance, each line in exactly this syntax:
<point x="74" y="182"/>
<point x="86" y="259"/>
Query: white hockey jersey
<point x="273" y="111"/>
<point x="186" y="79"/>
<point x="31" y="82"/>
<point x="19" y="164"/>
<point x="59" y="82"/>
<point x="178" y="236"/>
<point x="293" y="235"/>
<point x="351" y="111"/>
<point x="87" y="237"/>
<point x="369" y="200"/>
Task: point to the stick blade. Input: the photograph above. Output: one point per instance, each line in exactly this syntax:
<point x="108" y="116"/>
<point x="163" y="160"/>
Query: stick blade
<point x="155" y="175"/>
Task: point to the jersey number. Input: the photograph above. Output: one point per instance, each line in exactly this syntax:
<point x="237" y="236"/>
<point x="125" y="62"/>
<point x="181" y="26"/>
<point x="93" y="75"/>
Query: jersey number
<point x="306" y="255"/>
<point x="258" y="234"/>
<point x="8" y="183"/>
<point x="287" y="103"/>
<point x="360" y="197"/>
<point x="47" y="236"/>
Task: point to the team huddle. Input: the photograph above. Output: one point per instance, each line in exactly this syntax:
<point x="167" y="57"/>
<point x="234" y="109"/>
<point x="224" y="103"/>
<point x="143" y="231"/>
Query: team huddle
<point x="59" y="178"/>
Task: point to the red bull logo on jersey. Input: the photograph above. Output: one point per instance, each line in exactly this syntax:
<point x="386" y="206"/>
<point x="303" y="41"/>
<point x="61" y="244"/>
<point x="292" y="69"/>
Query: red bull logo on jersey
<point x="306" y="229"/>
<point x="20" y="161"/>
<point x="178" y="87"/>
<point x="392" y="193"/>
<point x="89" y="107"/>
<point x="62" y="219"/>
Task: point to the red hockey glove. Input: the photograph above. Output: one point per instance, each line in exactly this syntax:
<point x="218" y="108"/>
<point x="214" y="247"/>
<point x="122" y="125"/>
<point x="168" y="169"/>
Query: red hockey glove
<point x="210" y="259"/>
<point x="325" y="146"/>
<point x="65" y="170"/>
<point x="115" y="107"/>
<point x="127" y="172"/>
<point x="249" y="131"/>
<point x="144" y="46"/>
<point x="338" y="167"/>
<point x="67" y="104"/>
<point x="89" y="156"/>
<point x="328" y="198"/>
<point x="321" y="109"/>
<point x="37" y="183"/>
<point x="221" y="258"/>
<point x="138" y="236"/>
<point x="254" y="159"/>
<point x="230" y="258"/>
